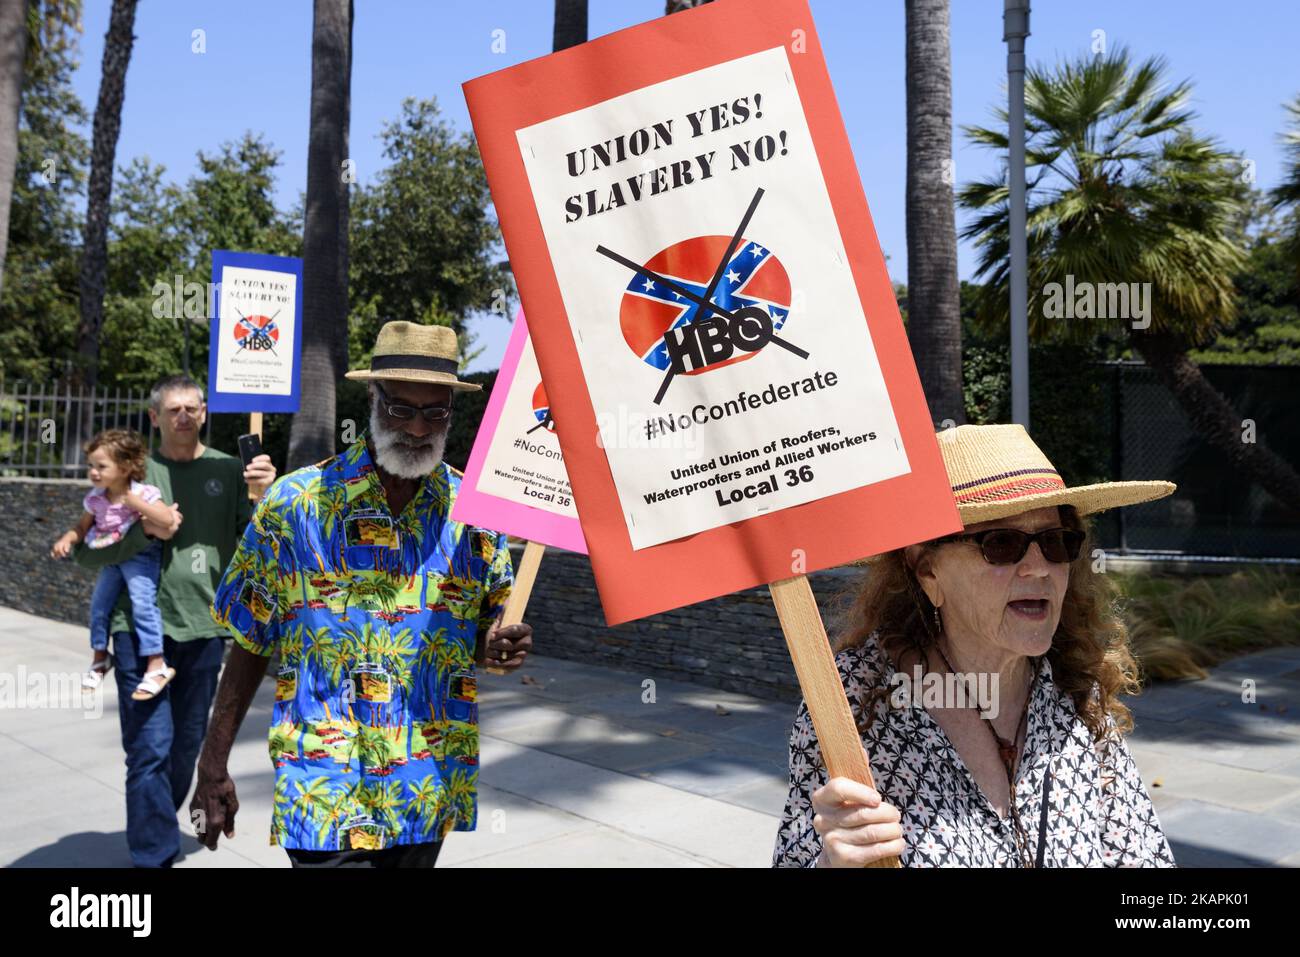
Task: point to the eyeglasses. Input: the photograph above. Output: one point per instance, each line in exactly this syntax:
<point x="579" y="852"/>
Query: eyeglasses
<point x="431" y="413"/>
<point x="1006" y="546"/>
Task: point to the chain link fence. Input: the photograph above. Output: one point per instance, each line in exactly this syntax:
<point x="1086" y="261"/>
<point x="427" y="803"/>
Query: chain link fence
<point x="1217" y="511"/>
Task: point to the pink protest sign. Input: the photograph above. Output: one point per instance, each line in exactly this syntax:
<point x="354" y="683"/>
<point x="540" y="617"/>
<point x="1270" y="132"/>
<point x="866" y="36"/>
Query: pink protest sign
<point x="516" y="481"/>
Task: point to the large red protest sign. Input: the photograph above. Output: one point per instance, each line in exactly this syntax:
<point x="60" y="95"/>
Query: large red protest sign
<point x="723" y="356"/>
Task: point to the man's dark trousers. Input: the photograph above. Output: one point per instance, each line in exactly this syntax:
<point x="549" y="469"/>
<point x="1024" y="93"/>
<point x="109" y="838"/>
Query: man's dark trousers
<point x="161" y="738"/>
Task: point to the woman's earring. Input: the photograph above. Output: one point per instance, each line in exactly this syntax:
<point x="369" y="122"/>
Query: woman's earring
<point x="938" y="625"/>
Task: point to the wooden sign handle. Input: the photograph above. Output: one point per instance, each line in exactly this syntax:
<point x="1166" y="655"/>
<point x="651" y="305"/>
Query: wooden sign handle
<point x="819" y="679"/>
<point x="521" y="590"/>
<point x="254" y="428"/>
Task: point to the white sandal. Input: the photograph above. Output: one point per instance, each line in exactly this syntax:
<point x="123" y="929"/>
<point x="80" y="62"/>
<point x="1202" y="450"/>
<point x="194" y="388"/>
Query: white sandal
<point x="152" y="684"/>
<point x="94" y="676"/>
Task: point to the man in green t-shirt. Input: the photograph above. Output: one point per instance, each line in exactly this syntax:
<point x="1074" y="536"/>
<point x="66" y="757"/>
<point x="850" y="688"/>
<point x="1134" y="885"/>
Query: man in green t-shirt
<point x="209" y="492"/>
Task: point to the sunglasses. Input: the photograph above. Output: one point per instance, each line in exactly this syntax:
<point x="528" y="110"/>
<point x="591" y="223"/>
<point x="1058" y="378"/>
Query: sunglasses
<point x="431" y="413"/>
<point x="1006" y="546"/>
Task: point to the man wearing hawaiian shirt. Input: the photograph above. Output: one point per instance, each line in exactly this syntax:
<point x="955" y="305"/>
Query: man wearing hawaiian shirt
<point x="378" y="606"/>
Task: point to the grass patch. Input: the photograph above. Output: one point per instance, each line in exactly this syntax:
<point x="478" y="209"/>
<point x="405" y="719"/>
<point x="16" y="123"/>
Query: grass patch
<point x="1180" y="626"/>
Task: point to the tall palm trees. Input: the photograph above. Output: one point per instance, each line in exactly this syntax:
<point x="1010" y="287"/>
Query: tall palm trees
<point x="934" y="318"/>
<point x="325" y="234"/>
<point x="103" y="153"/>
<point x="28" y="28"/>
<point x="13" y="54"/>
<point x="1122" y="190"/>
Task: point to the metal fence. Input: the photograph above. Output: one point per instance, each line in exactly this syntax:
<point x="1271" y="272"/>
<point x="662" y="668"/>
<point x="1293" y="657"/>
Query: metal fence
<point x="44" y="425"/>
<point x="1217" y="511"/>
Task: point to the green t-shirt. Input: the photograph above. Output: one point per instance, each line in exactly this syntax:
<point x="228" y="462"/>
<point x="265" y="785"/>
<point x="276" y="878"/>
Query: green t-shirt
<point x="213" y="499"/>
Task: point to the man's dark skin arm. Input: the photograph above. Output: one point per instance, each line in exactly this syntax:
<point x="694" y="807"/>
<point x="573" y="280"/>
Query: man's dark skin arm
<point x="214" y="796"/>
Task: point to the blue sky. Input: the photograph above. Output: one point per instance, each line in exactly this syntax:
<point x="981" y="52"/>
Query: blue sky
<point x="255" y="75"/>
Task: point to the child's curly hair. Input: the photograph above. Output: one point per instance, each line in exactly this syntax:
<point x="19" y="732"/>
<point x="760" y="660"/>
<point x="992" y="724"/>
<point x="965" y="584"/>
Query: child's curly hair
<point x="125" y="447"/>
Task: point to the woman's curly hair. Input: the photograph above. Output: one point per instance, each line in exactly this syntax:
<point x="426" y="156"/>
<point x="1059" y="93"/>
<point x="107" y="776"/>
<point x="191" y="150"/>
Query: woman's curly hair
<point x="1090" y="655"/>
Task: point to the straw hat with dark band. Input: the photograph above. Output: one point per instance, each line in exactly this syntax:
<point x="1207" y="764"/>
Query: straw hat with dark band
<point x="997" y="470"/>
<point x="410" y="352"/>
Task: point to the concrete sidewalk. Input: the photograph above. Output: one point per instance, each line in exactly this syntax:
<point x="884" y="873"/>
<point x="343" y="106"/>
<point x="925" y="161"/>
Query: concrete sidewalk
<point x="578" y="769"/>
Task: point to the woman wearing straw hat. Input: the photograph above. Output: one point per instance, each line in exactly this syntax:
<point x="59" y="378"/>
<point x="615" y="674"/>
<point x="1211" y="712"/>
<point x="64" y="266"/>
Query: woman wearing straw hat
<point x="984" y="670"/>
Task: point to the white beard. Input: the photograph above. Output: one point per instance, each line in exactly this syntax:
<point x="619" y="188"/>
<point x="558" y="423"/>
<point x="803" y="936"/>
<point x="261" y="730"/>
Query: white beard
<point x="395" y="454"/>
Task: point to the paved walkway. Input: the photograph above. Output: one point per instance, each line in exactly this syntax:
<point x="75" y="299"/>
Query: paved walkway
<point x="579" y="770"/>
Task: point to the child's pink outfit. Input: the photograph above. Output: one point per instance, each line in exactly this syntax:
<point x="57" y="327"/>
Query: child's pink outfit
<point x="112" y="521"/>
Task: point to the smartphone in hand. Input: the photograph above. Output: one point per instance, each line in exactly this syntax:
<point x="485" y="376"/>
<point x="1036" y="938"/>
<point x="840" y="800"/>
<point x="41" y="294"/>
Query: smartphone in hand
<point x="250" y="446"/>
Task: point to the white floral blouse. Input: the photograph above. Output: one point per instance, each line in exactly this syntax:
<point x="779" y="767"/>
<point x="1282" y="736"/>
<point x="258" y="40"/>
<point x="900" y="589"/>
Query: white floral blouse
<point x="1098" y="813"/>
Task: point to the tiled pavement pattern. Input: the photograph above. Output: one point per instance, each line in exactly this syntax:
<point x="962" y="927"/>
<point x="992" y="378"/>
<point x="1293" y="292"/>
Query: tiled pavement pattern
<point x="581" y="768"/>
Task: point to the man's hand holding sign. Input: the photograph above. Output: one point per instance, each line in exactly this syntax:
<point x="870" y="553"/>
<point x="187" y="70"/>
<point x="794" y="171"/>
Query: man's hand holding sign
<point x="713" y="319"/>
<point x="515" y="479"/>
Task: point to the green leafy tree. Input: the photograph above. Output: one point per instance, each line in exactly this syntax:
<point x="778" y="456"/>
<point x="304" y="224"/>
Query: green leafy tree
<point x="160" y="232"/>
<point x="147" y="246"/>
<point x="1287" y="194"/>
<point x="1266" y="330"/>
<point x="38" y="306"/>
<point x="424" y="247"/>
<point x="27" y="31"/>
<point x="230" y="203"/>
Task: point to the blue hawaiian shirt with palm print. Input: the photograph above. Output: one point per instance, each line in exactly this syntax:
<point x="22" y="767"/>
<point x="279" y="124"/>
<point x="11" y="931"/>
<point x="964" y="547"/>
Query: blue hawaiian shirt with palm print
<point x="374" y="617"/>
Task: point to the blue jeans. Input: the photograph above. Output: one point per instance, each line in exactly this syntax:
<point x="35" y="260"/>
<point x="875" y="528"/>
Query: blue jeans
<point x="140" y="575"/>
<point x="161" y="738"/>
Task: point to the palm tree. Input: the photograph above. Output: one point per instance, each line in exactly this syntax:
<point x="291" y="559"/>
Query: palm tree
<point x="282" y="541"/>
<point x="383" y="801"/>
<point x="99" y="190"/>
<point x="460" y="791"/>
<point x="1124" y="191"/>
<point x="430" y="650"/>
<point x="13" y="57"/>
<point x="282" y="806"/>
<point x="461" y="741"/>
<point x="25" y="28"/>
<point x="330" y="656"/>
<point x="570" y="24"/>
<point x="425" y="798"/>
<point x="933" y="314"/>
<point x="394" y="648"/>
<point x="330" y="508"/>
<point x="243" y="563"/>
<point x="332" y="813"/>
<point x="313" y="799"/>
<point x="372" y="747"/>
<point x="325" y="235"/>
<point x="1288" y="193"/>
<point x="290" y="644"/>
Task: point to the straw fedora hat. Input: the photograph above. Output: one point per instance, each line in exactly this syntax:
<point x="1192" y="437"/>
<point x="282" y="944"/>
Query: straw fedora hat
<point x="411" y="352"/>
<point x="997" y="470"/>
